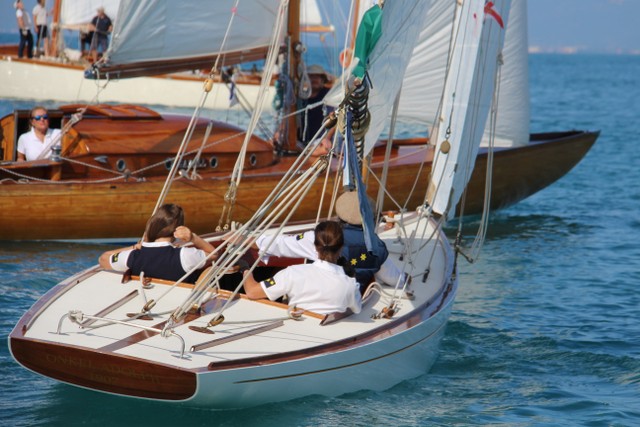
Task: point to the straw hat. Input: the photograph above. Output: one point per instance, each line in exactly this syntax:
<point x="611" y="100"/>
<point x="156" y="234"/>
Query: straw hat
<point x="348" y="208"/>
<point x="316" y="69"/>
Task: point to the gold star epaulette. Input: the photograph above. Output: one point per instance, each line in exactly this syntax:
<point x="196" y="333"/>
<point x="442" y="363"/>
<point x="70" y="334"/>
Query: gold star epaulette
<point x="362" y="257"/>
<point x="300" y="236"/>
<point x="269" y="282"/>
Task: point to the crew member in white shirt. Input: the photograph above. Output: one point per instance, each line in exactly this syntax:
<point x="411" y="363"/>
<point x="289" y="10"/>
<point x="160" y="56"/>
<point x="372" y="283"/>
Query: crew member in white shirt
<point x="322" y="287"/>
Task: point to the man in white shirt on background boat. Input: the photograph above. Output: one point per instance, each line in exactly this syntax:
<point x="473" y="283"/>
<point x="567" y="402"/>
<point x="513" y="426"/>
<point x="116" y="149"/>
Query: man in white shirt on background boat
<point x="40" y="19"/>
<point x="40" y="138"/>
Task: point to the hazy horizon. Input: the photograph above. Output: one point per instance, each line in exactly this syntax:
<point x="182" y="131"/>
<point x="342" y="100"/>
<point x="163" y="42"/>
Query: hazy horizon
<point x="555" y="26"/>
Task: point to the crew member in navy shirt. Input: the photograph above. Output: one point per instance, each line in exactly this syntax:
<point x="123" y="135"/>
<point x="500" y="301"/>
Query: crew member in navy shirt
<point x="159" y="255"/>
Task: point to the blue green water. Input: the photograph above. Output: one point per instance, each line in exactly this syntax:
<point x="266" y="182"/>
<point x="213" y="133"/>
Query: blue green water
<point x="545" y="329"/>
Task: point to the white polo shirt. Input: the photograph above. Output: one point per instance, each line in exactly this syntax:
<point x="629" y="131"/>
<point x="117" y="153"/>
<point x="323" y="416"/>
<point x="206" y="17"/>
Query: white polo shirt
<point x="31" y="146"/>
<point x="322" y="287"/>
<point x="289" y="245"/>
<point x="301" y="246"/>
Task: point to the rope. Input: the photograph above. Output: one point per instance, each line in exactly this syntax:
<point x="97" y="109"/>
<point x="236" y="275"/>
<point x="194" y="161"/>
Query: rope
<point x="259" y="107"/>
<point x="292" y="197"/>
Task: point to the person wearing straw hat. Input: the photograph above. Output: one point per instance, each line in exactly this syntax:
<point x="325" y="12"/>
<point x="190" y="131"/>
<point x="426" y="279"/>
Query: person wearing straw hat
<point x="310" y="119"/>
<point x="368" y="265"/>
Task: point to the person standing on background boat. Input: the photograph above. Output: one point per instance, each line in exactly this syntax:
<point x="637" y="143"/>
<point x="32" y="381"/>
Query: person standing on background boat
<point x="102" y="26"/>
<point x="323" y="287"/>
<point x="24" y="26"/>
<point x="40" y="20"/>
<point x="158" y="256"/>
<point x="40" y="138"/>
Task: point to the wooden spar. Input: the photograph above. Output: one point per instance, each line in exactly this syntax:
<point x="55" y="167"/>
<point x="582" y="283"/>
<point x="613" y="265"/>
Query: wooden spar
<point x="55" y="28"/>
<point x="165" y="66"/>
<point x="354" y="27"/>
<point x="293" y="29"/>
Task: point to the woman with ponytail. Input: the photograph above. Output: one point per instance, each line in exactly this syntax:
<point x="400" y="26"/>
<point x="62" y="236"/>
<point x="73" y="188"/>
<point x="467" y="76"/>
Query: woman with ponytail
<point x="159" y="255"/>
<point x="322" y="287"/>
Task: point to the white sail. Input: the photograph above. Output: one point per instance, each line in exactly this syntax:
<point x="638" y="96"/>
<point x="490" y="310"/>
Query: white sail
<point x="389" y="59"/>
<point x="401" y="25"/>
<point x="467" y="98"/>
<point x="513" y="115"/>
<point x="423" y="83"/>
<point x="153" y="30"/>
<point x="161" y="36"/>
<point x="76" y="13"/>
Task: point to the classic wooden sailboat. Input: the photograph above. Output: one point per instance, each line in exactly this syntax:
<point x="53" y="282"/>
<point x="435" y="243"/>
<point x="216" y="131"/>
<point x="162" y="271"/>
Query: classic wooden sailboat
<point x="82" y="332"/>
<point x="105" y="183"/>
<point x="169" y="83"/>
<point x="105" y="169"/>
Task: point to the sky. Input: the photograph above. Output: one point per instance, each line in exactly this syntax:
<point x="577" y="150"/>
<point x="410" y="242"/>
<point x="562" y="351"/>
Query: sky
<point x="563" y="26"/>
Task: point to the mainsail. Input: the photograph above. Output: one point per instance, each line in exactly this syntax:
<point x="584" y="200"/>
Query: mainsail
<point x="76" y="14"/>
<point x="156" y="36"/>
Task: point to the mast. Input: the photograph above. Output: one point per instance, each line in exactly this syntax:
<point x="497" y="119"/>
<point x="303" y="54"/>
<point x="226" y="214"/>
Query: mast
<point x="293" y="26"/>
<point x="55" y="28"/>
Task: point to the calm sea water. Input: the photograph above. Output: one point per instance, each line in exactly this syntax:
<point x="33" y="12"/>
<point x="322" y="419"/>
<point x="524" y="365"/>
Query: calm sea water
<point x="545" y="330"/>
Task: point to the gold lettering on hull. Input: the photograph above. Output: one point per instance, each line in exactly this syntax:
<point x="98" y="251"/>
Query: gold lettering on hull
<point x="107" y="373"/>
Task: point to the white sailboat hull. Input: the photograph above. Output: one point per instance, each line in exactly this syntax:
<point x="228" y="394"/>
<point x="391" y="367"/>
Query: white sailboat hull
<point x="50" y="81"/>
<point x="287" y="360"/>
<point x="376" y="366"/>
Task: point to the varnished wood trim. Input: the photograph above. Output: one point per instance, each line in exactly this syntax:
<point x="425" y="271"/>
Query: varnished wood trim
<point x="104" y="371"/>
<point x="238" y="336"/>
<point x="131" y="295"/>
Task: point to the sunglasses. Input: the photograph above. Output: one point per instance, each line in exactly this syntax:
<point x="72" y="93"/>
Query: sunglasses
<point x="41" y="117"/>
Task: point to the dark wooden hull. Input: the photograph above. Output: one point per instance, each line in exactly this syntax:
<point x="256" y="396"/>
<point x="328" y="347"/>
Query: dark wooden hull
<point x="80" y="210"/>
<point x="521" y="172"/>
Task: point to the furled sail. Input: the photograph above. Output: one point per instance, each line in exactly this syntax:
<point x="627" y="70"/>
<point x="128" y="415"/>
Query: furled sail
<point x="161" y="36"/>
<point x="467" y="97"/>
